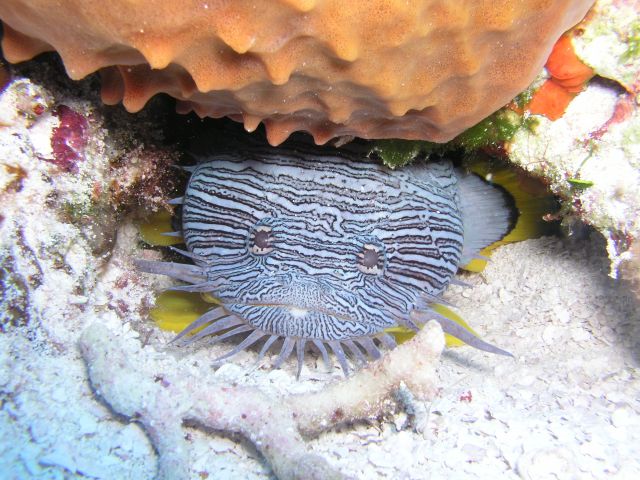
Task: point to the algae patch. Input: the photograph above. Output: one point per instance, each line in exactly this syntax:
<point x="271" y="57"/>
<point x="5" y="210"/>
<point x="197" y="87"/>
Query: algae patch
<point x="491" y="133"/>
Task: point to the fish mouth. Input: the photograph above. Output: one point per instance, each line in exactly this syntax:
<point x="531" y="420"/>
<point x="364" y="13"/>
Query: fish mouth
<point x="296" y="297"/>
<point x="295" y="326"/>
<point x="300" y="311"/>
<point x="300" y="322"/>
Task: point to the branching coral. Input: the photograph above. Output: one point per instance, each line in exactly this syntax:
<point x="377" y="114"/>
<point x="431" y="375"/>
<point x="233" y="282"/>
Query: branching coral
<point x="128" y="378"/>
<point x="424" y="70"/>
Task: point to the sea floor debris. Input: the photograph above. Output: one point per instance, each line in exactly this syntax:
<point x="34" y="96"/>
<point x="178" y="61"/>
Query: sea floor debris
<point x="161" y="394"/>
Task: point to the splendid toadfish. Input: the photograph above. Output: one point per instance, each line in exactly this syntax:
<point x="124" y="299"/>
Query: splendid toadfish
<point x="305" y="247"/>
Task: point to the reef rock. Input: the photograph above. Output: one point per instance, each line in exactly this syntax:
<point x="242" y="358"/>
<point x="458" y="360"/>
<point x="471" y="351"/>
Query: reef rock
<point x="424" y="69"/>
<point x="590" y="154"/>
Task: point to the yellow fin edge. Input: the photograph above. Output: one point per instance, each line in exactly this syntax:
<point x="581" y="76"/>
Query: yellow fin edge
<point x="152" y="229"/>
<point x="532" y="200"/>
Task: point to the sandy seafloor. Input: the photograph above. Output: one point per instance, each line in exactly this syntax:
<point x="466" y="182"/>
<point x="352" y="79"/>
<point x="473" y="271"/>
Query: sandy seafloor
<point x="567" y="406"/>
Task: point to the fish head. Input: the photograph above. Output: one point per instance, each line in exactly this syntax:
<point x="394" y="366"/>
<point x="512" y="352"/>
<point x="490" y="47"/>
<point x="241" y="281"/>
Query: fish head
<point x="329" y="249"/>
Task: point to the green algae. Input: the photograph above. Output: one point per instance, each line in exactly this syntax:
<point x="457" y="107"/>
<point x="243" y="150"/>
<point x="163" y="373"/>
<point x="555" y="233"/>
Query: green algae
<point x="523" y="98"/>
<point x="398" y="153"/>
<point x="79" y="211"/>
<point x="492" y="132"/>
<point x="579" y="183"/>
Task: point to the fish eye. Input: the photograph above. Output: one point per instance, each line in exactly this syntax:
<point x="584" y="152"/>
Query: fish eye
<point x="370" y="259"/>
<point x="261" y="240"/>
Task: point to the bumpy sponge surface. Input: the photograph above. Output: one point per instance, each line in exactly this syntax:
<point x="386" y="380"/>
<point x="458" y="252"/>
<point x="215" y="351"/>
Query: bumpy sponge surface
<point x="416" y="69"/>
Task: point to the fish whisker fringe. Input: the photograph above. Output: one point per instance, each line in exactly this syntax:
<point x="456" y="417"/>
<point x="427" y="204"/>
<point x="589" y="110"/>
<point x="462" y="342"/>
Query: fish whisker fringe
<point x="339" y="353"/>
<point x="217" y="320"/>
<point x="249" y="340"/>
<point x="176" y="234"/>
<point x="210" y="316"/>
<point x="370" y="347"/>
<point x="176" y="201"/>
<point x="229" y="321"/>
<point x="300" y="343"/>
<point x="213" y="339"/>
<point x="179" y="271"/>
<point x="409" y="323"/>
<point x="356" y="352"/>
<point x="387" y="340"/>
<point x="191" y="255"/>
<point x="205" y="287"/>
<point x="426" y="299"/>
<point x="265" y="348"/>
<point x="460" y="283"/>
<point x="459" y="332"/>
<point x="323" y="351"/>
<point x="285" y="351"/>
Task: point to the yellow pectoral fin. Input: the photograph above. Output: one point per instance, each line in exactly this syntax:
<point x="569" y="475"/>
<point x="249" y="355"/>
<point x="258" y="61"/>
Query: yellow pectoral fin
<point x="153" y="228"/>
<point x="401" y="334"/>
<point x="451" y="341"/>
<point x="477" y="265"/>
<point x="174" y="311"/>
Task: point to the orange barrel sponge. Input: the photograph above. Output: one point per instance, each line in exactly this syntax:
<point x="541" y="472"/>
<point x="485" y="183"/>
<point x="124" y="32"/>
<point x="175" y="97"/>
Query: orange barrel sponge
<point x="416" y="69"/>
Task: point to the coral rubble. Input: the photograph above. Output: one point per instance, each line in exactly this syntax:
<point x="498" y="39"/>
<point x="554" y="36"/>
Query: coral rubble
<point x="163" y="395"/>
<point x="424" y="70"/>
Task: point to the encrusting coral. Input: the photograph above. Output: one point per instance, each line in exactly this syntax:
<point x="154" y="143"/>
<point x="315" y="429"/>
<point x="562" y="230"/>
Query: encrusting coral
<point x="425" y="70"/>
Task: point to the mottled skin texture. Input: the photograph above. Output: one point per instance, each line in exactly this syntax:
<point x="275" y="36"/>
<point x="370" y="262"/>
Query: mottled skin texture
<point x="321" y="248"/>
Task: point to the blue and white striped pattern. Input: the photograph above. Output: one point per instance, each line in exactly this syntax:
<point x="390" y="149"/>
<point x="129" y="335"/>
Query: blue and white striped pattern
<point x="320" y="248"/>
